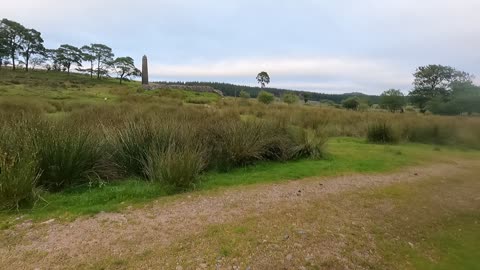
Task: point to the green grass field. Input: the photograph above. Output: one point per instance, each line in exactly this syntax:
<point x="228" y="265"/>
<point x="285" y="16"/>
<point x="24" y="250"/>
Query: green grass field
<point x="61" y="92"/>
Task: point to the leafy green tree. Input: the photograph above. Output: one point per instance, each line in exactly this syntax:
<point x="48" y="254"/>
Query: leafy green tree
<point x="103" y="56"/>
<point x="434" y="81"/>
<point x="290" y="98"/>
<point x="32" y="44"/>
<point x="89" y="56"/>
<point x="265" y="97"/>
<point x="392" y="100"/>
<point x="68" y="55"/>
<point x="12" y="38"/>
<point x="125" y="68"/>
<point x="244" y="94"/>
<point x="52" y="56"/>
<point x="464" y="89"/>
<point x="263" y="78"/>
<point x="351" y="103"/>
<point x="3" y="50"/>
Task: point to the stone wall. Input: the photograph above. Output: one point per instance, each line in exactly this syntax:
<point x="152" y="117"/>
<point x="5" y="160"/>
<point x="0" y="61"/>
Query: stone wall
<point x="204" y="89"/>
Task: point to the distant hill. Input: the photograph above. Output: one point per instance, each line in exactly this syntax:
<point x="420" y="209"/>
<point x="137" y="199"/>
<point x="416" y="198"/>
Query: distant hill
<point x="233" y="90"/>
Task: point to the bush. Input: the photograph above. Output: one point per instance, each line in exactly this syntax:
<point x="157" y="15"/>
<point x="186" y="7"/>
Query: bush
<point x="265" y="97"/>
<point x="351" y="103"/>
<point x="381" y="133"/>
<point x="290" y="98"/>
<point x="244" y="94"/>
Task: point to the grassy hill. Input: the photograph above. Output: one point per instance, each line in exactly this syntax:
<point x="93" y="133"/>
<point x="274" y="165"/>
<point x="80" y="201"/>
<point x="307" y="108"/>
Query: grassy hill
<point x="58" y="91"/>
<point x="232" y="90"/>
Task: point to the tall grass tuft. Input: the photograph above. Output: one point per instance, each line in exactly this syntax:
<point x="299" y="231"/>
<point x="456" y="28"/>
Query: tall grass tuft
<point x="69" y="156"/>
<point x="430" y="133"/>
<point x="239" y="143"/>
<point x="133" y="143"/>
<point x="307" y="143"/>
<point x="19" y="170"/>
<point x="178" y="167"/>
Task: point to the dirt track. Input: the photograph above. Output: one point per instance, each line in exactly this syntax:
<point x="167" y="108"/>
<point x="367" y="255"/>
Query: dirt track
<point x="55" y="245"/>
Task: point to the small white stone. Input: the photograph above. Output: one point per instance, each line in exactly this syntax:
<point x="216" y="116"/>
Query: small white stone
<point x="48" y="221"/>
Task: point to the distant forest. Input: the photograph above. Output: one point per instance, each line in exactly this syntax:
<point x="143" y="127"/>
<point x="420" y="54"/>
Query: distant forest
<point x="233" y="90"/>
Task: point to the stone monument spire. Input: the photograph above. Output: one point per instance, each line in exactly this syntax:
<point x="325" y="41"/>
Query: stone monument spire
<point x="144" y="70"/>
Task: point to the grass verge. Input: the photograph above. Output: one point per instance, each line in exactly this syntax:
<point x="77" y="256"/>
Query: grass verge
<point x="346" y="156"/>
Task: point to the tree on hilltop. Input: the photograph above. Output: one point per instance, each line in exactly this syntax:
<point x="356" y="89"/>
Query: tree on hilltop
<point x="88" y="56"/>
<point x="68" y="55"/>
<point x="125" y="68"/>
<point x="32" y="44"/>
<point x="3" y="52"/>
<point x="11" y="38"/>
<point x="103" y="56"/>
<point x="263" y="78"/>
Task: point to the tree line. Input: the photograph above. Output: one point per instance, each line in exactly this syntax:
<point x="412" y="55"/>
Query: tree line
<point x="439" y="90"/>
<point x="233" y="90"/>
<point x="25" y="46"/>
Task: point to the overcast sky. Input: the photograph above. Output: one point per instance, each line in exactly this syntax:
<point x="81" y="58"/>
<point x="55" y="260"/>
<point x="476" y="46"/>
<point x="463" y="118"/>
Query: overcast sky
<point x="316" y="45"/>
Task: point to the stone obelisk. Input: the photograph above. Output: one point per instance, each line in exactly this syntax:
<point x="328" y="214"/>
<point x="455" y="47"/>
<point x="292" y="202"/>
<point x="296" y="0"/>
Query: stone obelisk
<point x="144" y="70"/>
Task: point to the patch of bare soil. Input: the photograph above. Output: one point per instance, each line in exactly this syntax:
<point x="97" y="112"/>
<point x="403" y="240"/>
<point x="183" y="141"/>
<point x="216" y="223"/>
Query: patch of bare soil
<point x="136" y="232"/>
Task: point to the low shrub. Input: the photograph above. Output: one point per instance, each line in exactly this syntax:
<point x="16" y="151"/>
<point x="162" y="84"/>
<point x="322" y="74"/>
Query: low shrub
<point x="381" y="133"/>
<point x="265" y="97"/>
<point x="244" y="94"/>
<point x="290" y="98"/>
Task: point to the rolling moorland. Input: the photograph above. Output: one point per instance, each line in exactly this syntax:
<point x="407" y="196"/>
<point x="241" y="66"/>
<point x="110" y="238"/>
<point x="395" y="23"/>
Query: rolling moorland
<point x="101" y="175"/>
